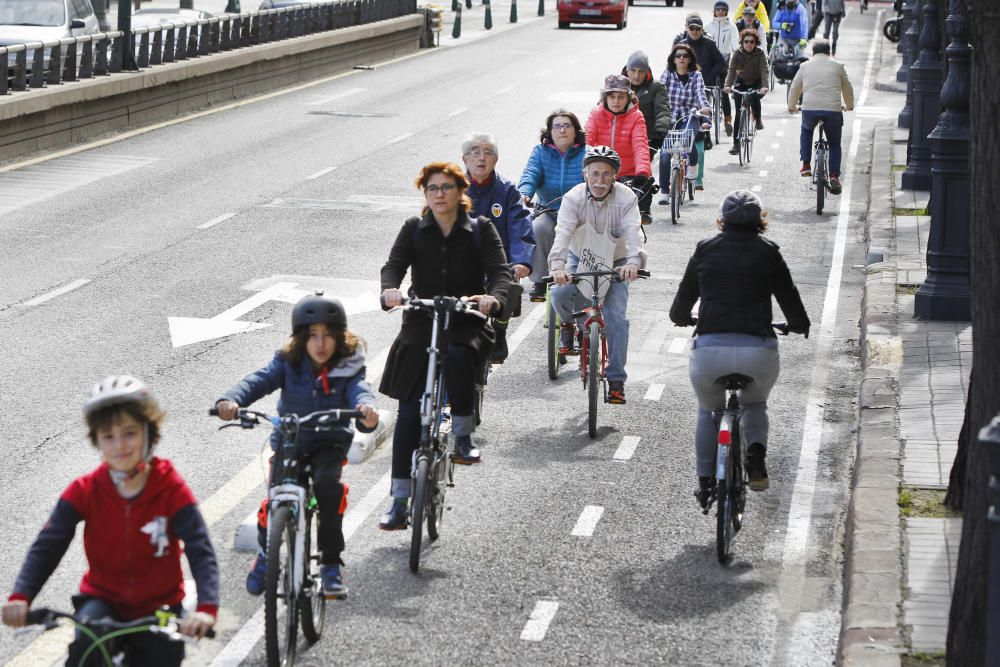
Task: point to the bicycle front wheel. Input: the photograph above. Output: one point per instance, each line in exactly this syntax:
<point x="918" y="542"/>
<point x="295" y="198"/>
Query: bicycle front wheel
<point x="594" y="377"/>
<point x="280" y="629"/>
<point x="313" y="601"/>
<point x="553" y="336"/>
<point x="717" y="113"/>
<point x="676" y="194"/>
<point x="418" y="508"/>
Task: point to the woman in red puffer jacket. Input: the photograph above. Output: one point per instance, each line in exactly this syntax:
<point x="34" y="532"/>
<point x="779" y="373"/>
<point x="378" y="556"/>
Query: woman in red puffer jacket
<point x="617" y="122"/>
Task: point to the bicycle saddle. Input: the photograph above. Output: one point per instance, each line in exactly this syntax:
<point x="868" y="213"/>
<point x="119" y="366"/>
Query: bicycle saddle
<point x="734" y="381"/>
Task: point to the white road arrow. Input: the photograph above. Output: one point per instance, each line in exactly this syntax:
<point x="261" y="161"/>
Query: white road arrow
<point x="188" y="330"/>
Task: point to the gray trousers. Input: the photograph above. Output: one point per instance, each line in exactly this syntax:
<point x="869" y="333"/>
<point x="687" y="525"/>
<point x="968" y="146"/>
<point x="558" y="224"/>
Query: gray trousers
<point x="710" y="362"/>
<point x="544" y="227"/>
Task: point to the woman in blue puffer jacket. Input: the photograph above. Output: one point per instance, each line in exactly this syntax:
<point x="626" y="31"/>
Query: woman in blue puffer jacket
<point x="321" y="367"/>
<point x="554" y="167"/>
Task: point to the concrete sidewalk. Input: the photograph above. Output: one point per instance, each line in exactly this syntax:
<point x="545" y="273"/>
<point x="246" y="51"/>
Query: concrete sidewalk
<point x="902" y="544"/>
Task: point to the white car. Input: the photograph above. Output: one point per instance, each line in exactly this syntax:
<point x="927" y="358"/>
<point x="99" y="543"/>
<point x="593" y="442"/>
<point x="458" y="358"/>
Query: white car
<point x="24" y="21"/>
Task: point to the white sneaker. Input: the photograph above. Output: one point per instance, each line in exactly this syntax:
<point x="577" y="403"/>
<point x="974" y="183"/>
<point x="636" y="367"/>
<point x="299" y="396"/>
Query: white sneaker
<point x="663" y="200"/>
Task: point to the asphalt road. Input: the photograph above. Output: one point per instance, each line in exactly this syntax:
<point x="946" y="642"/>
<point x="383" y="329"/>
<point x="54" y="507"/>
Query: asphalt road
<point x="192" y="219"/>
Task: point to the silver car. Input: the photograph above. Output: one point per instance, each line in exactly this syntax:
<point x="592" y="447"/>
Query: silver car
<point x="25" y="21"/>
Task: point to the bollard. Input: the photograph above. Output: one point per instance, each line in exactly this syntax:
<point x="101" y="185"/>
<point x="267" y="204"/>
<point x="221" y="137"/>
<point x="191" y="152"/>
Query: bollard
<point x="468" y="4"/>
<point x="946" y="293"/>
<point x="541" y="7"/>
<point x="989" y="436"/>
<point x="513" y="11"/>
<point x="454" y="5"/>
<point x="488" y="19"/>
<point x="456" y="30"/>
<point x="926" y="75"/>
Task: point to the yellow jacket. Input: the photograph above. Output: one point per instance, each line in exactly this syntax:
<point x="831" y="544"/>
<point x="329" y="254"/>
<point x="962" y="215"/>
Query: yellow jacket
<point x="761" y="13"/>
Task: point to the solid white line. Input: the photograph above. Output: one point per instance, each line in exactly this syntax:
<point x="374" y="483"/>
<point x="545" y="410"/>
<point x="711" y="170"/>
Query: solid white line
<point x="527" y="324"/>
<point x="46" y="649"/>
<point x="627" y="448"/>
<point x="458" y="111"/>
<point x="232" y="493"/>
<point x="800" y="508"/>
<point x="396" y="140"/>
<point x="538" y="623"/>
<point x="763" y="173"/>
<point x="59" y="291"/>
<point x="376" y="494"/>
<point x="678" y="346"/>
<point x="319" y="174"/>
<point x="214" y="221"/>
<point x="322" y="99"/>
<point x="587" y="522"/>
<point x="654" y="392"/>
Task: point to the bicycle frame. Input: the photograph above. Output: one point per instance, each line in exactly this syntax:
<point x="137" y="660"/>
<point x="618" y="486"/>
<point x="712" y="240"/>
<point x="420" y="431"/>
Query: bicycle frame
<point x="595" y="313"/>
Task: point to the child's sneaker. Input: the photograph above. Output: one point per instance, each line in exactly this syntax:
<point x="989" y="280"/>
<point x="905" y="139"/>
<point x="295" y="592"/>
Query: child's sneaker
<point x="334" y="587"/>
<point x="255" y="578"/>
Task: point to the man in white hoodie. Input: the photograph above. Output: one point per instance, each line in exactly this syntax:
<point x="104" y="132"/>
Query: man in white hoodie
<point x="822" y="82"/>
<point x="725" y="35"/>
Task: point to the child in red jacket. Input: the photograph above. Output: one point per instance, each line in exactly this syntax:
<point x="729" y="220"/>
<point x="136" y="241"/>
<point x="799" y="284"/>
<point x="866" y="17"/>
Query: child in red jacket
<point x="136" y="509"/>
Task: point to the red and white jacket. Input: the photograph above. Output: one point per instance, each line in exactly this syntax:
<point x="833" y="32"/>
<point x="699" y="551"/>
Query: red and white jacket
<point x="624" y="132"/>
<point x="132" y="544"/>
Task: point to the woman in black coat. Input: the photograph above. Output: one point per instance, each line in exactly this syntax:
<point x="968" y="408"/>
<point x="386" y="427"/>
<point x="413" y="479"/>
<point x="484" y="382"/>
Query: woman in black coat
<point x="734" y="274"/>
<point x="448" y="254"/>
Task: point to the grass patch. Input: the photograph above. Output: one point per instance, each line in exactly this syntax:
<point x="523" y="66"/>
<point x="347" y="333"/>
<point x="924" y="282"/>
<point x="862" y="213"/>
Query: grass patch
<point x="896" y="210"/>
<point x="924" y="503"/>
<point x="906" y="289"/>
<point x="921" y="659"/>
<point x="899" y="167"/>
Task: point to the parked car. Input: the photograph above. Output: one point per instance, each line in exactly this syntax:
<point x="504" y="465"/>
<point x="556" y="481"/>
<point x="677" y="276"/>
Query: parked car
<point x="24" y="21"/>
<point x="281" y="4"/>
<point x="613" y="12"/>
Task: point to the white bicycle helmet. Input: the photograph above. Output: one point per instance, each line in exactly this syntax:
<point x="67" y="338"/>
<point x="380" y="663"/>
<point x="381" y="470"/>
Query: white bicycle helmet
<point x="115" y="390"/>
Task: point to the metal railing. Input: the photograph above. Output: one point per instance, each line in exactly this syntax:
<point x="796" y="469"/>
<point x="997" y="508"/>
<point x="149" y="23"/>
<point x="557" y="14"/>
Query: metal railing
<point x="30" y="66"/>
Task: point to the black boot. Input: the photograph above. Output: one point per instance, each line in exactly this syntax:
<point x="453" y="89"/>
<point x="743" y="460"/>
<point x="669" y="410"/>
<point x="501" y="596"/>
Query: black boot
<point x="705" y="492"/>
<point x="500" y="347"/>
<point x="756" y="469"/>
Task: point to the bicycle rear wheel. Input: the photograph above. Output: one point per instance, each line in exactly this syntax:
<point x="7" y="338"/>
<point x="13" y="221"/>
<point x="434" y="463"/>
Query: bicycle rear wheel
<point x="418" y="510"/>
<point x="820" y="175"/>
<point x="280" y="632"/>
<point x="724" y="514"/>
<point x="676" y="194"/>
<point x="593" y="377"/>
<point x="313" y="601"/>
<point x="717" y="113"/>
<point x="554" y="359"/>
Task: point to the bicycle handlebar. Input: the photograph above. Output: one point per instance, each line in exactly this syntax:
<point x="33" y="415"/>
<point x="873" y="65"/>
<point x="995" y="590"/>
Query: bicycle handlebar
<point x="782" y="328"/>
<point x="101" y="626"/>
<point x="455" y="304"/>
<point x="747" y="91"/>
<point x="590" y="274"/>
<point x="251" y="418"/>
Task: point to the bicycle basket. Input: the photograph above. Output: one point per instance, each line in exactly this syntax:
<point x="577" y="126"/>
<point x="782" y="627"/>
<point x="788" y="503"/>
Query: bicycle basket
<point x="679" y="141"/>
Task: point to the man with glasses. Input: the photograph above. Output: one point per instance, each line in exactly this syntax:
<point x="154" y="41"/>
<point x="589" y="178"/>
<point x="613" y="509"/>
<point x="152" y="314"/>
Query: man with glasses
<point x="498" y="199"/>
<point x="598" y="228"/>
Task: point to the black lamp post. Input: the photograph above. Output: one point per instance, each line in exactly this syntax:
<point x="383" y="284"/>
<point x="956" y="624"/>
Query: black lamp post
<point x="909" y="14"/>
<point x="925" y="80"/>
<point x="910" y="50"/>
<point x="989" y="436"/>
<point x="945" y="295"/>
<point x="125" y="26"/>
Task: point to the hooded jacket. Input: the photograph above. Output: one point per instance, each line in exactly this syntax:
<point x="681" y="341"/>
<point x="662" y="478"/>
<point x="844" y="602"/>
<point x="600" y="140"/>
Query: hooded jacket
<point x="654" y="103"/>
<point x="501" y="202"/>
<point x="724" y="33"/>
<point x="550" y="173"/>
<point x="749" y="68"/>
<point x="304" y="391"/>
<point x="132" y="544"/>
<point x="624" y="132"/>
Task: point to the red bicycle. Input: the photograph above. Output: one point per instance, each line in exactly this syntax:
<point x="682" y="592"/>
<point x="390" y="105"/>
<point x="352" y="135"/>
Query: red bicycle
<point x="594" y="346"/>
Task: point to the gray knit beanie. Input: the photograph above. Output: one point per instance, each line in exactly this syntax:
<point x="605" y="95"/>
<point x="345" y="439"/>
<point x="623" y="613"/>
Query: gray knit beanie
<point x="638" y="60"/>
<point x="741" y="207"/>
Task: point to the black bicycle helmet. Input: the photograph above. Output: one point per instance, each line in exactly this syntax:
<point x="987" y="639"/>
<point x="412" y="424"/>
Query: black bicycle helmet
<point x="319" y="309"/>
<point x="602" y="154"/>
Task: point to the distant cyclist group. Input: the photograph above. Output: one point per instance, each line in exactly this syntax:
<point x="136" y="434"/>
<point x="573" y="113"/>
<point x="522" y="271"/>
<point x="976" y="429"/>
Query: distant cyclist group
<point x="579" y="206"/>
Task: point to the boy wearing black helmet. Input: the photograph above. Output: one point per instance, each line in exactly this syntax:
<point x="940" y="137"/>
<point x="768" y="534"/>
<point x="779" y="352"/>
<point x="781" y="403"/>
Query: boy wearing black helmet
<point x="320" y="367"/>
<point x="136" y="509"/>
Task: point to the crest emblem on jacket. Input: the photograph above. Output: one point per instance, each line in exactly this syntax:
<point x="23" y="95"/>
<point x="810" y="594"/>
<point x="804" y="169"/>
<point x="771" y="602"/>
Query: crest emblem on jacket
<point x="496" y="210"/>
<point x="158" y="537"/>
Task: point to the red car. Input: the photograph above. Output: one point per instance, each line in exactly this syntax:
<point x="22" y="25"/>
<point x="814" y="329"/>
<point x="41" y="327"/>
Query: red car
<point x="613" y="12"/>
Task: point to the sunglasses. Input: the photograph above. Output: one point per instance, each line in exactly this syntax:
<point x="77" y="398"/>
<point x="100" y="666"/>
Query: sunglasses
<point x="681" y="55"/>
<point x="694" y="28"/>
<point x="749" y="41"/>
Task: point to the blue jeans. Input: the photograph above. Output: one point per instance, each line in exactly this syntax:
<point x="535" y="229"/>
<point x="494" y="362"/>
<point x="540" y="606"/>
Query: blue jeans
<point x="566" y="299"/>
<point x="693" y="123"/>
<point x="833" y="127"/>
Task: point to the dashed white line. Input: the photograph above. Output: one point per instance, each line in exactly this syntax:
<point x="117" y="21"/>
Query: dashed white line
<point x="763" y="173"/>
<point x="538" y="623"/>
<point x="319" y="174"/>
<point x="775" y="145"/>
<point x="779" y="133"/>
<point x="458" y="111"/>
<point x="768" y="158"/>
<point x="784" y="120"/>
<point x="587" y="522"/>
<point x="321" y="99"/>
<point x="627" y="448"/>
<point x="214" y="221"/>
<point x="59" y="291"/>
<point x="505" y="90"/>
<point x="544" y="72"/>
<point x="396" y="140"/>
<point x="678" y="346"/>
<point x="757" y="188"/>
<point x="654" y="392"/>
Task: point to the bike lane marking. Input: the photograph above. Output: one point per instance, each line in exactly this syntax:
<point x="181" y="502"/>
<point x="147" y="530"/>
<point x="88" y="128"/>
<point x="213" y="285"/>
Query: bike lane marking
<point x="214" y="221"/>
<point x="59" y="291"/>
<point x="587" y="523"/>
<point x="402" y="137"/>
<point x="538" y="623"/>
<point x="678" y="346"/>
<point x="654" y="392"/>
<point x="458" y="111"/>
<point x="319" y="174"/>
<point x="627" y="448"/>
